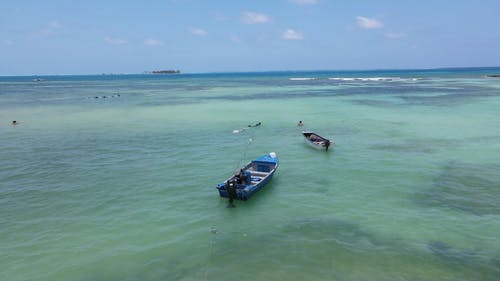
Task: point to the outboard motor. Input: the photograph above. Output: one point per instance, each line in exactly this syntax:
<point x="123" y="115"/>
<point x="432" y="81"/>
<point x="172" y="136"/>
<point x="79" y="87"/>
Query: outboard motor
<point x="327" y="144"/>
<point x="231" y="192"/>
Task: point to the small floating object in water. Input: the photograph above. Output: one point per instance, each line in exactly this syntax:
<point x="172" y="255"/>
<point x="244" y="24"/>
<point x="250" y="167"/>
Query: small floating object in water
<point x="213" y="229"/>
<point x="255" y="125"/>
<point x="238" y="131"/>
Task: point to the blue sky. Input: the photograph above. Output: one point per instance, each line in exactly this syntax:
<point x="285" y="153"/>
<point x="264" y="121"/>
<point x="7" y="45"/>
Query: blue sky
<point x="92" y="37"/>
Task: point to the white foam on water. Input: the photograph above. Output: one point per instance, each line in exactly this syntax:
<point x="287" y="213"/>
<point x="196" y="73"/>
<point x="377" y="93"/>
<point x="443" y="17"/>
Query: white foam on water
<point x="302" y="78"/>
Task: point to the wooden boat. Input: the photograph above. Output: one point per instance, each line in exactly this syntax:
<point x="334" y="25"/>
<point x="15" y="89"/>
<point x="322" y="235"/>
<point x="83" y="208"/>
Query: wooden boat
<point x="250" y="178"/>
<point x="316" y="140"/>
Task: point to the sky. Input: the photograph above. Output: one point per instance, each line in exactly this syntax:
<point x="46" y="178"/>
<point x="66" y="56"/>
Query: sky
<point x="57" y="37"/>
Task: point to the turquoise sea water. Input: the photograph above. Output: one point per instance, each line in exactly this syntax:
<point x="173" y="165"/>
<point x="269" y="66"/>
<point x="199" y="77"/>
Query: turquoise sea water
<point x="123" y="187"/>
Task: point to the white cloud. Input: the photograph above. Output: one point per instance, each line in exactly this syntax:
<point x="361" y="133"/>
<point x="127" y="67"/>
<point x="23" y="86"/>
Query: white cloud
<point x="46" y="32"/>
<point x="254" y="18"/>
<point x="115" y="41"/>
<point x="368" y="23"/>
<point x="291" y="34"/>
<point x="395" y="35"/>
<point x="221" y="17"/>
<point x="54" y="24"/>
<point x="306" y="2"/>
<point x="153" y="42"/>
<point x="235" y="39"/>
<point x="198" y="31"/>
<point x="51" y="29"/>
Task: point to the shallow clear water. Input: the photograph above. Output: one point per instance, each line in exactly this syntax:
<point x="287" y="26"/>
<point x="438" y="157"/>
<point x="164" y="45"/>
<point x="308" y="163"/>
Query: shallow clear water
<point x="123" y="187"/>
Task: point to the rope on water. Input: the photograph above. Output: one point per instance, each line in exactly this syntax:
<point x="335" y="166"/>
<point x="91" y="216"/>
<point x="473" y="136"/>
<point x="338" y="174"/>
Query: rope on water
<point x="213" y="227"/>
<point x="244" y="155"/>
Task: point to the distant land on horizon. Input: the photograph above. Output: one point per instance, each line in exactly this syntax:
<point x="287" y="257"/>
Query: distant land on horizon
<point x="169" y="71"/>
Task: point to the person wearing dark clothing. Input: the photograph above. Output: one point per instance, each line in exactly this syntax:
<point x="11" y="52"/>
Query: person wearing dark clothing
<point x="241" y="177"/>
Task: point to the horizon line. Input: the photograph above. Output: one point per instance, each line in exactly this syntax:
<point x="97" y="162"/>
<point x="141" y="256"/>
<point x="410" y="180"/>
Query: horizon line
<point x="263" y="71"/>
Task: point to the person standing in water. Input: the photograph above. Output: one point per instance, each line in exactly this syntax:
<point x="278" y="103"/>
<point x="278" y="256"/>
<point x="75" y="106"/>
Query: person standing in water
<point x="300" y="124"/>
